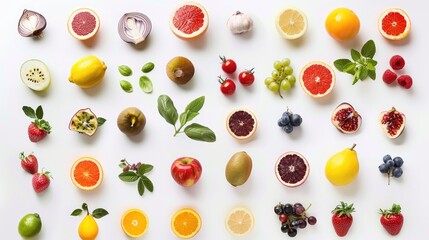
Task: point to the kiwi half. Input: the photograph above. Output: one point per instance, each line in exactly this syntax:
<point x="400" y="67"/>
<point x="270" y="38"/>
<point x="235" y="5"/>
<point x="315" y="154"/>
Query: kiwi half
<point x="35" y="75"/>
<point x="84" y="121"/>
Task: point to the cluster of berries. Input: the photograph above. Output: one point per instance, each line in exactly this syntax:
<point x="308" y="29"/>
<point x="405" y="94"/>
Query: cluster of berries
<point x="397" y="63"/>
<point x="293" y="217"/>
<point x="126" y="167"/>
<point x="30" y="164"/>
<point x="288" y="121"/>
<point x="391" y="167"/>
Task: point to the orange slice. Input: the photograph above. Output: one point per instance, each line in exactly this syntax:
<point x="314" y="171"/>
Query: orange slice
<point x="189" y="20"/>
<point x="317" y="79"/>
<point x="394" y="24"/>
<point x="134" y="223"/>
<point x="241" y="124"/>
<point x="291" y="23"/>
<point x="86" y="173"/>
<point x="239" y="221"/>
<point x="186" y="223"/>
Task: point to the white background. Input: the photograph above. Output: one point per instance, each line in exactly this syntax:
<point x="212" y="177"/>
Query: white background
<point x="212" y="197"/>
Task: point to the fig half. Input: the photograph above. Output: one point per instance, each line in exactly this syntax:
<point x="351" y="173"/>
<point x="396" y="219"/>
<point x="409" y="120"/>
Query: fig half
<point x="346" y="119"/>
<point x="392" y="122"/>
<point x="131" y="121"/>
<point x="84" y="121"/>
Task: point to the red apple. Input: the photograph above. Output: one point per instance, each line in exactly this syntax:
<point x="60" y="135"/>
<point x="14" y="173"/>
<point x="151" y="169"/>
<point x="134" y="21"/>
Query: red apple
<point x="186" y="171"/>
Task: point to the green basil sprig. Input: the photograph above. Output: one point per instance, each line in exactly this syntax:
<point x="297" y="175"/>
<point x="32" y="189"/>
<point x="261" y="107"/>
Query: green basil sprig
<point x="194" y="131"/>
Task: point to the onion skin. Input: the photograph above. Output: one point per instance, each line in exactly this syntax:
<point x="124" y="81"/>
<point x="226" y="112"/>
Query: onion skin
<point x="134" y="27"/>
<point x="31" y="24"/>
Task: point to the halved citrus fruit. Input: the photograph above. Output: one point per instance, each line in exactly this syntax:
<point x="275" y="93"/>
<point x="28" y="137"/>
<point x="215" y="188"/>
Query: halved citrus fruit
<point x="186" y="223"/>
<point x="317" y="79"/>
<point x="342" y="24"/>
<point x="292" y="169"/>
<point x="134" y="223"/>
<point x="83" y="23"/>
<point x="291" y="23"/>
<point x="241" y="124"/>
<point x="394" y="24"/>
<point x="239" y="221"/>
<point x="86" y="173"/>
<point x="189" y="20"/>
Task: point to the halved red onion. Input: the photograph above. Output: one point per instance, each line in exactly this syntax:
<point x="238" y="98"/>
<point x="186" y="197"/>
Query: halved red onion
<point x="31" y="24"/>
<point x="134" y="27"/>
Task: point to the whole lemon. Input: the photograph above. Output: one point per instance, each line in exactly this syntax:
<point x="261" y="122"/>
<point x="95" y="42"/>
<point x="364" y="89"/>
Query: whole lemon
<point x="342" y="24"/>
<point x="87" y="72"/>
<point x="88" y="228"/>
<point x="343" y="167"/>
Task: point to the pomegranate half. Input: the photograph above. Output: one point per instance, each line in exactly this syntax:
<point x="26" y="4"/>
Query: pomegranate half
<point x="346" y="119"/>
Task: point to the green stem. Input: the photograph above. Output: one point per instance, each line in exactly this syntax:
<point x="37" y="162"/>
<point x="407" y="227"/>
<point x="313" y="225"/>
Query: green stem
<point x="177" y="130"/>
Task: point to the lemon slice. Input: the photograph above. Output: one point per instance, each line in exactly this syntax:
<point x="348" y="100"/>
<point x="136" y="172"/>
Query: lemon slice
<point x="239" y="221"/>
<point x="291" y="23"/>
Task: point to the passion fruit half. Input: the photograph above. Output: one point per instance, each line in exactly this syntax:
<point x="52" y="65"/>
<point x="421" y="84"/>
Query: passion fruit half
<point x="241" y="124"/>
<point x="84" y="121"/>
<point x="292" y="169"/>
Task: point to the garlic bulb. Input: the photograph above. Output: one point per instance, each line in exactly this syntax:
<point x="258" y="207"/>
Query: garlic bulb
<point x="240" y="23"/>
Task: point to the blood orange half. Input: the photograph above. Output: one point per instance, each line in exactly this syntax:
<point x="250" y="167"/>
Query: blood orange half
<point x="394" y="24"/>
<point x="241" y="124"/>
<point x="317" y="79"/>
<point x="86" y="173"/>
<point x="83" y="23"/>
<point x="292" y="169"/>
<point x="189" y="20"/>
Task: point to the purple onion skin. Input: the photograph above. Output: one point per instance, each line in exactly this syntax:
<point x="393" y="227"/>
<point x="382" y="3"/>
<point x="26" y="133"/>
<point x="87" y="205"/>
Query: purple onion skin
<point x="41" y="24"/>
<point x="122" y="26"/>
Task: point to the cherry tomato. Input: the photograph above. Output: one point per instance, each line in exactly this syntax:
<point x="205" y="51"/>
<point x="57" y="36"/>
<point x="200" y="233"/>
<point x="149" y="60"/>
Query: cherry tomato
<point x="228" y="65"/>
<point x="227" y="86"/>
<point x="246" y="77"/>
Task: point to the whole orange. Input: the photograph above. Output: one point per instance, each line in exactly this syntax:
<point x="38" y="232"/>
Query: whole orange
<point x="342" y="24"/>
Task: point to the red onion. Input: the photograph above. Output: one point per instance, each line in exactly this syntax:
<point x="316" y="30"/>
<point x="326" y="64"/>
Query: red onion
<point x="31" y="24"/>
<point x="134" y="27"/>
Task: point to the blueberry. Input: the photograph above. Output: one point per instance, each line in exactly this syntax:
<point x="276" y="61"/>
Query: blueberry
<point x="390" y="163"/>
<point x="397" y="172"/>
<point x="296" y="120"/>
<point x="288" y="209"/>
<point x="288" y="128"/>
<point x="386" y="158"/>
<point x="287" y="115"/>
<point x="398" y="161"/>
<point x="280" y="122"/>
<point x="384" y="168"/>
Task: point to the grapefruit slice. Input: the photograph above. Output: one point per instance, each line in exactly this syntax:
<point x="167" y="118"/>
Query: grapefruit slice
<point x="394" y="24"/>
<point x="241" y="124"/>
<point x="186" y="223"/>
<point x="291" y="23"/>
<point x="83" y="23"/>
<point x="86" y="173"/>
<point x="189" y="20"/>
<point x="292" y="169"/>
<point x="239" y="221"/>
<point x="317" y="79"/>
<point x="134" y="223"/>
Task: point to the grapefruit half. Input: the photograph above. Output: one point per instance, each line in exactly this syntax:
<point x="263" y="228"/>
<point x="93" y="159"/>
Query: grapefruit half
<point x="86" y="173"/>
<point x="241" y="124"/>
<point x="394" y="24"/>
<point x="292" y="169"/>
<point x="83" y="23"/>
<point x="317" y="79"/>
<point x="189" y="20"/>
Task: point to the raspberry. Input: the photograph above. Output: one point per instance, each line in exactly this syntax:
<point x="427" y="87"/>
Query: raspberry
<point x="405" y="81"/>
<point x="397" y="62"/>
<point x="389" y="76"/>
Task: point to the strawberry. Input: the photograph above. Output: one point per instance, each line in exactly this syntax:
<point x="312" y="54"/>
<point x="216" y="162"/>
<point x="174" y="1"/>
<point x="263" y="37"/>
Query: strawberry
<point x="392" y="219"/>
<point x="29" y="163"/>
<point x="39" y="128"/>
<point x="41" y="181"/>
<point x="342" y="219"/>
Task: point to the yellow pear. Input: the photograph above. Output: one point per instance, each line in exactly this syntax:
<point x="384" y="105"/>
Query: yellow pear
<point x="343" y="167"/>
<point x="88" y="228"/>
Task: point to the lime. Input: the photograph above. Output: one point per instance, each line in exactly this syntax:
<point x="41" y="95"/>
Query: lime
<point x="30" y="225"/>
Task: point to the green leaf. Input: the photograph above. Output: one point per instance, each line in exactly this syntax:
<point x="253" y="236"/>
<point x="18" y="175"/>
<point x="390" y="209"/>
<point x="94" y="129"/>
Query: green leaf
<point x="199" y="132"/>
<point x="145" y="84"/>
<point x="191" y="115"/>
<point x="76" y="212"/>
<point x="368" y="49"/>
<point x="369" y="66"/>
<point x="183" y="118"/>
<point x="371" y="61"/>
<point x="340" y="64"/>
<point x="350" y="68"/>
<point x="356" y="77"/>
<point x="29" y="111"/>
<point x="128" y="176"/>
<point x="122" y="165"/>
<point x="356" y="55"/>
<point x="144" y="168"/>
<point x="363" y="73"/>
<point x="147" y="183"/>
<point x="167" y="109"/>
<point x="195" y="105"/>
<point x="100" y="121"/>
<point x="126" y="86"/>
<point x="372" y="74"/>
<point x="99" y="213"/>
<point x="140" y="187"/>
<point x="124" y="70"/>
<point x="149" y="66"/>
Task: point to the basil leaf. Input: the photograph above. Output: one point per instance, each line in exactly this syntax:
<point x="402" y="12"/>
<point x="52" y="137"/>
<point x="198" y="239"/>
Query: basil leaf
<point x="128" y="176"/>
<point x="372" y="74"/>
<point x="356" y="55"/>
<point x="368" y="49"/>
<point x="99" y="213"/>
<point x="147" y="183"/>
<point x="125" y="70"/>
<point x="145" y="84"/>
<point x="191" y="115"/>
<point x="195" y="105"/>
<point x="183" y="118"/>
<point x="149" y="66"/>
<point x="100" y="121"/>
<point x="340" y="64"/>
<point x="199" y="132"/>
<point x="140" y="187"/>
<point x="350" y="68"/>
<point x="167" y="109"/>
<point x="76" y="212"/>
<point x="145" y="168"/>
<point x="126" y="86"/>
<point x="29" y="111"/>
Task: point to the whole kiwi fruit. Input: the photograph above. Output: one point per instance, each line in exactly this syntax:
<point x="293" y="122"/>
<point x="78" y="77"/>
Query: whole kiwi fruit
<point x="238" y="168"/>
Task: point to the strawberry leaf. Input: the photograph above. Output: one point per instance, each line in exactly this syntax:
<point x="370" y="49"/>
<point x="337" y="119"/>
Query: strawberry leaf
<point x="39" y="112"/>
<point x="29" y="112"/>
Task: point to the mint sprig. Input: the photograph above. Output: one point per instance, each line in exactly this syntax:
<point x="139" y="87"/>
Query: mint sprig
<point x="136" y="172"/>
<point x="362" y="64"/>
